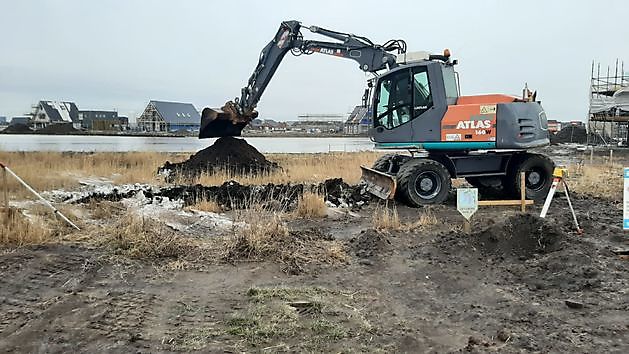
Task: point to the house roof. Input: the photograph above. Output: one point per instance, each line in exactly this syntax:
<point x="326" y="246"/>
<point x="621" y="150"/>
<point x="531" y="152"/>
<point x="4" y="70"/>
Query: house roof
<point x="60" y="111"/>
<point x="358" y="116"/>
<point x="177" y="112"/>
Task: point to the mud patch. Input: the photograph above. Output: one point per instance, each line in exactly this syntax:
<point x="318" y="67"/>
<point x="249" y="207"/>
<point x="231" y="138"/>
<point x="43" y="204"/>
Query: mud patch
<point x="520" y="236"/>
<point x="229" y="154"/>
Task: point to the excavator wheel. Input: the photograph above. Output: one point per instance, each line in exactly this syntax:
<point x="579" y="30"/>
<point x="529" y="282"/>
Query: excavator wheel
<point x="489" y="186"/>
<point x="422" y="182"/>
<point x="538" y="171"/>
<point x="390" y="163"/>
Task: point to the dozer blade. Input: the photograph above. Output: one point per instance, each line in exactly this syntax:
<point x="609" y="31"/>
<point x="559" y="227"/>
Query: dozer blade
<point x="378" y="183"/>
<point x="224" y="122"/>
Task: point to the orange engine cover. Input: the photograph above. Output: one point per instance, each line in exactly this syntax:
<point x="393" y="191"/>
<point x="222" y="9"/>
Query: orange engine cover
<point x="469" y="122"/>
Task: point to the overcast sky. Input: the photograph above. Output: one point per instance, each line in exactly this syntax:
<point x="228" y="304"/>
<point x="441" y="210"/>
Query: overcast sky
<point x="119" y="54"/>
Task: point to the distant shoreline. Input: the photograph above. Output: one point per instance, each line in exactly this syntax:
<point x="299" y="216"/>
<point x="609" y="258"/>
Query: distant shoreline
<point x="174" y="135"/>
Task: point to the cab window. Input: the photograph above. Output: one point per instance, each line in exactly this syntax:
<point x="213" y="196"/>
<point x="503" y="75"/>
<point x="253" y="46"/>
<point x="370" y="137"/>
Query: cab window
<point x="402" y="97"/>
<point x="394" y="100"/>
<point x="422" y="99"/>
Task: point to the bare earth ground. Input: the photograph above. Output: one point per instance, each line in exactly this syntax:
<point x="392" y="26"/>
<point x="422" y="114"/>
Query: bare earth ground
<point x="430" y="289"/>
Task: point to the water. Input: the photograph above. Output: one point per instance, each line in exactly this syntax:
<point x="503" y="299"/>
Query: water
<point x="171" y="144"/>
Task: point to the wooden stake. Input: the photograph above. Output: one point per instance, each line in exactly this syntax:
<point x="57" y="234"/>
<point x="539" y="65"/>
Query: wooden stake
<point x="611" y="158"/>
<point x="522" y="192"/>
<point x="514" y="202"/>
<point x="467" y="226"/>
<point x="591" y="155"/>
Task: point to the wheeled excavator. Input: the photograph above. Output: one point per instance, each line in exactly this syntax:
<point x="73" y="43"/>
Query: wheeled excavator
<point x="415" y="105"/>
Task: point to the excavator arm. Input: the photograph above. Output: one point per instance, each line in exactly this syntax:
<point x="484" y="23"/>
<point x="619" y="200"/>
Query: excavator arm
<point x="236" y="114"/>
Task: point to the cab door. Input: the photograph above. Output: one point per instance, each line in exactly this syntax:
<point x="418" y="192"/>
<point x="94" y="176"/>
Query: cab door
<point x="405" y="104"/>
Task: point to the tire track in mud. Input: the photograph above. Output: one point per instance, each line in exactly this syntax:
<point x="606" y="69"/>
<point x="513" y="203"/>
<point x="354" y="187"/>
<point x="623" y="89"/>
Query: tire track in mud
<point x="36" y="287"/>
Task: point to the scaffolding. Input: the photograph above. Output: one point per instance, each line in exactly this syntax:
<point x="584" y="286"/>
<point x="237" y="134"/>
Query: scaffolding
<point x="608" y="115"/>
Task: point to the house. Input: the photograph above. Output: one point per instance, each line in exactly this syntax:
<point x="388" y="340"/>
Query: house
<point x="99" y="120"/>
<point x="51" y="112"/>
<point x="358" y="121"/>
<point x="161" y="116"/>
<point x="3" y="120"/>
<point x="25" y="120"/>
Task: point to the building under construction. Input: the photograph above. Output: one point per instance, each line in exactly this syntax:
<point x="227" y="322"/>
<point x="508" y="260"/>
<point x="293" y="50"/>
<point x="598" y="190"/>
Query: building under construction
<point x="608" y="117"/>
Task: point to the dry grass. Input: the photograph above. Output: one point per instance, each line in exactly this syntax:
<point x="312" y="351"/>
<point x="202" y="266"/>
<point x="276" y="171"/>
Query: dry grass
<point x="311" y="205"/>
<point x="144" y="238"/>
<point x="210" y="206"/>
<point x="602" y="181"/>
<point x="18" y="230"/>
<point x="303" y="168"/>
<point x="385" y="219"/>
<point x="266" y="237"/>
<point x="426" y="218"/>
<point x="52" y="170"/>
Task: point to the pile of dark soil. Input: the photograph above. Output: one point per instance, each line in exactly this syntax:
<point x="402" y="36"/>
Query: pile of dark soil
<point x="233" y="195"/>
<point x="571" y="134"/>
<point x="58" y="128"/>
<point x="229" y="195"/>
<point x="370" y="244"/>
<point x="520" y="236"/>
<point x="226" y="154"/>
<point x="17" y="129"/>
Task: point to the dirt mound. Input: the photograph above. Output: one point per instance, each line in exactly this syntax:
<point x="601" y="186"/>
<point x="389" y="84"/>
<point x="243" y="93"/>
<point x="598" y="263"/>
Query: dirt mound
<point x="520" y="236"/>
<point x="370" y="244"/>
<point x="571" y="134"/>
<point x="58" y="128"/>
<point x="17" y="129"/>
<point x="226" y="154"/>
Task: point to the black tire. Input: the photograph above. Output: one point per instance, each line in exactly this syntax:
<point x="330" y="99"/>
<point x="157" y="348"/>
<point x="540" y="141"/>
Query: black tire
<point x="390" y="163"/>
<point x="489" y="186"/>
<point x="422" y="182"/>
<point x="538" y="171"/>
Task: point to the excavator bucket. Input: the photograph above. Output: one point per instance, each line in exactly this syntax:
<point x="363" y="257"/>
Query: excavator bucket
<point x="224" y="122"/>
<point x="378" y="183"/>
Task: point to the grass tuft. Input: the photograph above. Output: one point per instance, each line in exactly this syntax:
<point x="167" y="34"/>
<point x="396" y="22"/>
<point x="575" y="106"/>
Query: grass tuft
<point x="385" y="219"/>
<point x="18" y="230"/>
<point x="311" y="205"/>
<point x="265" y="236"/>
<point x="145" y="238"/>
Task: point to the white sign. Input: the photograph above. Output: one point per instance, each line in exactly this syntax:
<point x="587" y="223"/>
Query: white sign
<point x="467" y="201"/>
<point x="625" y="194"/>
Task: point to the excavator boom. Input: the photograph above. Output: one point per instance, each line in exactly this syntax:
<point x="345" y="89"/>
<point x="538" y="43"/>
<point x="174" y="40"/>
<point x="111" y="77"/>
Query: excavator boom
<point x="234" y="115"/>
